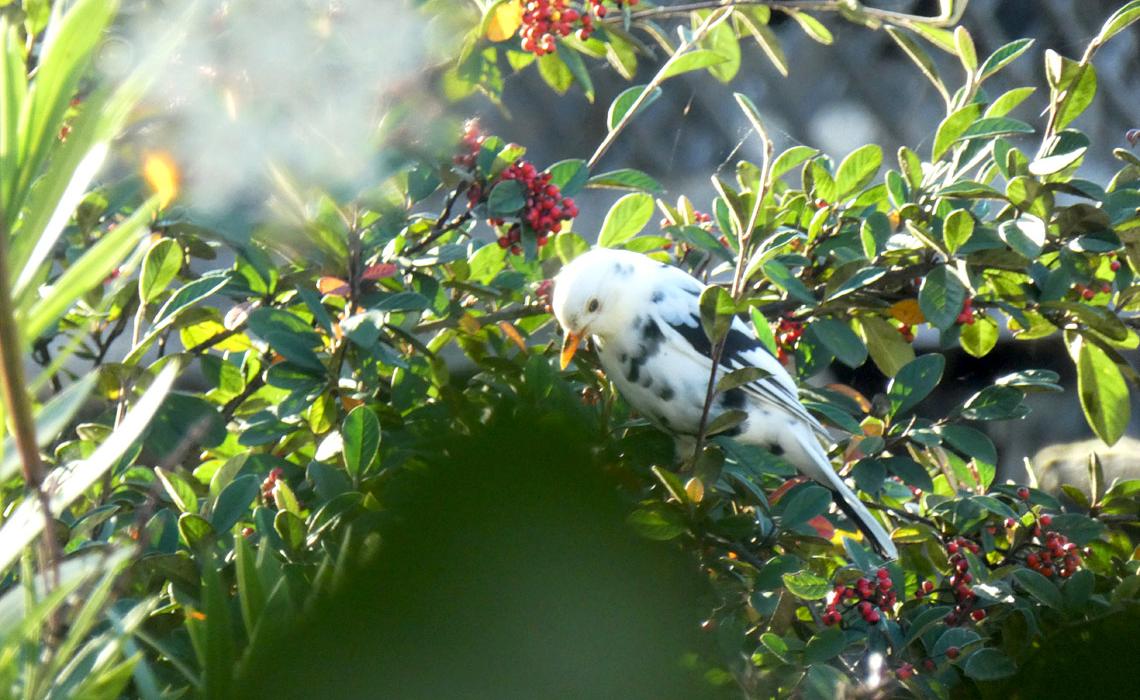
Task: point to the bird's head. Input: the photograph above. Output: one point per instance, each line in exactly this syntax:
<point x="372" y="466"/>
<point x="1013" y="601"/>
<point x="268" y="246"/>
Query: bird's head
<point x="594" y="294"/>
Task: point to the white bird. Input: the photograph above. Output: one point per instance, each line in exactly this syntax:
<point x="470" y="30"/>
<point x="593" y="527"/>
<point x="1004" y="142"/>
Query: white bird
<point x="644" y="319"/>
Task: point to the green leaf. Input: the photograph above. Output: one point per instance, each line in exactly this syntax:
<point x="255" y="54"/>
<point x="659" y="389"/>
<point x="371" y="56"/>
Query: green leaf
<point x="195" y="530"/>
<point x="625" y="179"/>
<point x="625" y="219"/>
<point x="763" y="331"/>
<point x="1078" y="96"/>
<point x="941" y="297"/>
<point x="979" y="337"/>
<point x="692" y="60"/>
<point x="825" y="646"/>
<point x="86" y="273"/>
<point x="989" y="664"/>
<point x="361" y="435"/>
<point x="658" y="523"/>
<point x="767" y="42"/>
<point x="555" y="72"/>
<point x="921" y="59"/>
<point x="233" y="502"/>
<point x="1003" y="57"/>
<point x="722" y="39"/>
<point x="804" y="503"/>
<point x="957" y="229"/>
<point x="726" y="421"/>
<point x="506" y="198"/>
<point x="1118" y="21"/>
<point x="914" y="382"/>
<point x="621" y="105"/>
<point x="791" y="158"/>
<point x="1010" y="99"/>
<point x="967" y="54"/>
<point x="291" y="528"/>
<point x="179" y="490"/>
<point x="740" y="377"/>
<point x="806" y="585"/>
<point x="840" y="340"/>
<point x="952" y="127"/>
<point x="1103" y="392"/>
<point x="569" y="176"/>
<point x="857" y="170"/>
<point x="989" y="127"/>
<point x="578" y="69"/>
<point x="812" y="27"/>
<point x="953" y="637"/>
<point x="717" y="311"/>
<point x="24" y="522"/>
<point x="970" y="442"/>
<point x="779" y="275"/>
<point x="889" y="351"/>
<point x="1039" y="587"/>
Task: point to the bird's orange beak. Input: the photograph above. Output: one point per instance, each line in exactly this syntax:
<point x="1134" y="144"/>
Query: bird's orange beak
<point x="569" y="347"/>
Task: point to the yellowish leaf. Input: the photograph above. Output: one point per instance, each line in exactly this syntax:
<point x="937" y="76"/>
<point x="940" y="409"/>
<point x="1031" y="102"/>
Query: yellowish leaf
<point x="505" y="20"/>
<point x="161" y="174"/>
<point x="908" y="312"/>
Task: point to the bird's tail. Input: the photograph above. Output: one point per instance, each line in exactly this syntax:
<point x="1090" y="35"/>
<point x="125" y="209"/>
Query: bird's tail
<point x="848" y="502"/>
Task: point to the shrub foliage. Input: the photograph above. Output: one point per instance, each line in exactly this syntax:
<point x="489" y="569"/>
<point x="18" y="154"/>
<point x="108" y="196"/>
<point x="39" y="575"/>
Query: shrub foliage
<point x="334" y="343"/>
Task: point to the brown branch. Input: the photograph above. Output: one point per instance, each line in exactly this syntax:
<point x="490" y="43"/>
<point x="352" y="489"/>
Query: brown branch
<point x="809" y="5"/>
<point x="20" y="415"/>
<point x="511" y="314"/>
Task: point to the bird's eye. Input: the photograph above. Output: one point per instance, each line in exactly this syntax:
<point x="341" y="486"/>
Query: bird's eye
<point x="592" y="306"/>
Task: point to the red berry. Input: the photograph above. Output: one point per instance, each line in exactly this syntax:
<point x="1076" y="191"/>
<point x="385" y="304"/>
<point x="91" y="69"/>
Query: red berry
<point x="978" y="615"/>
<point x="952" y="653"/>
<point x="1045" y="520"/>
<point x="1114" y="265"/>
<point x="1023" y="493"/>
<point x="904" y="672"/>
<point x="1087" y="293"/>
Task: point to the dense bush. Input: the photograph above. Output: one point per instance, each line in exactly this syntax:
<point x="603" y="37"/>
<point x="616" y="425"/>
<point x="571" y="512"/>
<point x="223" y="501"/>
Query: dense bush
<point x="326" y="351"/>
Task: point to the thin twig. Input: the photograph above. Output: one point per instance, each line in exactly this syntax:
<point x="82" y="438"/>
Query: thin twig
<point x="744" y="241"/>
<point x="711" y="21"/>
<point x="511" y="314"/>
<point x="809" y="5"/>
<point x="440" y="228"/>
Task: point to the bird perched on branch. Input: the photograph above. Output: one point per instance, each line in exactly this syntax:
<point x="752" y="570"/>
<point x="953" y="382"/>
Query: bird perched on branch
<point x="644" y="318"/>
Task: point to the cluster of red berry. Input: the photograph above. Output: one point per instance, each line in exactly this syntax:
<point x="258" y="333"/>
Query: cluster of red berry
<point x="269" y="485"/>
<point x="788" y="333"/>
<point x="545" y="208"/>
<point x="960" y="580"/>
<point x="1087" y="292"/>
<point x="907" y="332"/>
<point x="545" y="21"/>
<point x="871" y="599"/>
<point x="1057" y="554"/>
<point x="966" y="316"/>
<point x="470" y="144"/>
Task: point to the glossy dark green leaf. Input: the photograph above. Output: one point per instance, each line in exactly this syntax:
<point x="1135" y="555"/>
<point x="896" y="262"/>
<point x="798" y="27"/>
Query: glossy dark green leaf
<point x="1102" y="389"/>
<point x="838" y="338"/>
<point x="914" y="382"/>
<point x="625" y="179"/>
<point x="569" y="176"/>
<point x="361" y="436"/>
<point x="625" y="219"/>
<point x="1039" y="587"/>
<point x="804" y="503"/>
<point x="941" y="297"/>
<point x="657" y="523"/>
<point x="506" y="198"/>
<point x="806" y="585"/>
<point x="825" y="646"/>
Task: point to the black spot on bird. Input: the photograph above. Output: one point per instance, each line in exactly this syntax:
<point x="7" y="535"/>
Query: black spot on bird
<point x="634" y="371"/>
<point x="647" y="381"/>
<point x="651" y="335"/>
<point x="695" y="336"/>
<point x="776" y="449"/>
<point x="666" y="392"/>
<point x="623" y="270"/>
<point x="737" y="343"/>
<point x="658" y="297"/>
<point x="622" y="358"/>
<point x="733" y="398"/>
